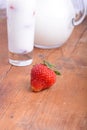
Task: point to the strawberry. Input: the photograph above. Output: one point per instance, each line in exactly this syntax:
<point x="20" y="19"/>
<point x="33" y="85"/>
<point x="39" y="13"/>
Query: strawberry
<point x="42" y="76"/>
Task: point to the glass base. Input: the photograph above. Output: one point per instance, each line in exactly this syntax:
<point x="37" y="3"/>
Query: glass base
<point x="23" y="59"/>
<point x="2" y="13"/>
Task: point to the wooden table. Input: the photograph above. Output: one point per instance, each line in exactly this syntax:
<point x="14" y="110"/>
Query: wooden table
<point x="63" y="106"/>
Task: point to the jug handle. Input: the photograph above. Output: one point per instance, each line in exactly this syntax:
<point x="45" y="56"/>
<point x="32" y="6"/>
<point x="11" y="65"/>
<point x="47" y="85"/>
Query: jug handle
<point x="76" y="21"/>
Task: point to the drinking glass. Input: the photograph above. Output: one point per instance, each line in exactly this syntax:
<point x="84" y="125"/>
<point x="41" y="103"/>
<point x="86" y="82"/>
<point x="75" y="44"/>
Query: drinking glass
<point x="20" y="26"/>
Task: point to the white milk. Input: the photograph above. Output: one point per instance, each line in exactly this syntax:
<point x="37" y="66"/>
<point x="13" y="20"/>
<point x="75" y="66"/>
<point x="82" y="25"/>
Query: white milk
<point x="53" y="22"/>
<point x="20" y="19"/>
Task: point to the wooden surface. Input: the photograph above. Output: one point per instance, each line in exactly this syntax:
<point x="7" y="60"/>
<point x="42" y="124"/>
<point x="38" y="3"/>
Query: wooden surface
<point x="63" y="106"/>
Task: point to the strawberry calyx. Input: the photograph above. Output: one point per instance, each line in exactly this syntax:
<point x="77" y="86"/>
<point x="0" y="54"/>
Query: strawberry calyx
<point x="51" y="66"/>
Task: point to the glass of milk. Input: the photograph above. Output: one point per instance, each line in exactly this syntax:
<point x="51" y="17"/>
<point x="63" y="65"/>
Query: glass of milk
<point x="20" y="26"/>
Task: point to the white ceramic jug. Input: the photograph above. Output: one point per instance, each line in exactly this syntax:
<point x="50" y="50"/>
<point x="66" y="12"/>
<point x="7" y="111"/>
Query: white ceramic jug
<point x="55" y="21"/>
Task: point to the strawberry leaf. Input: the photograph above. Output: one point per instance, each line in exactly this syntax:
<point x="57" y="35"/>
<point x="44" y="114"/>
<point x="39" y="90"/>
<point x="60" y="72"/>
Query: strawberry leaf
<point x="48" y="64"/>
<point x="57" y="72"/>
<point x="51" y="67"/>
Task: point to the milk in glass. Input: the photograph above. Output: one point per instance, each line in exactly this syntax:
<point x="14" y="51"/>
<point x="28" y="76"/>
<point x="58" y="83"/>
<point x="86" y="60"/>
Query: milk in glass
<point x="20" y="23"/>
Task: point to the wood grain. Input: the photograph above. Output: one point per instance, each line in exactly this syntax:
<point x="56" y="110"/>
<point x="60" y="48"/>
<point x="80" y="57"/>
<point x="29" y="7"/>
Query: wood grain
<point x="63" y="106"/>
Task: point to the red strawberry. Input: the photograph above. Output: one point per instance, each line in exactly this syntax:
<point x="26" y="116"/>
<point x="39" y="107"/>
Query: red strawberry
<point x="42" y="76"/>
